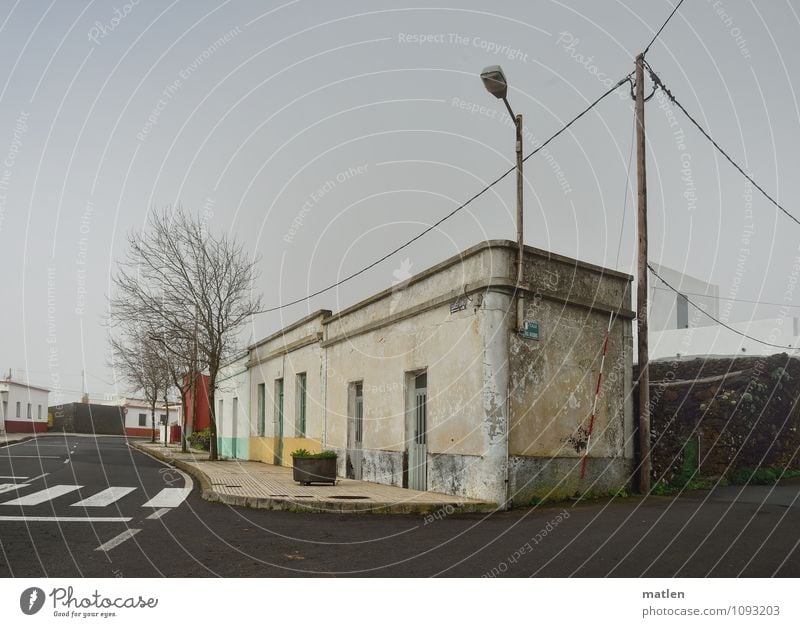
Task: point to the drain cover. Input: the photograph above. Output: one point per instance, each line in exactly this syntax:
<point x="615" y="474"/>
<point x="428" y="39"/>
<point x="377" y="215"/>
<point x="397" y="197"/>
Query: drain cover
<point x="279" y="495"/>
<point x="349" y="497"/>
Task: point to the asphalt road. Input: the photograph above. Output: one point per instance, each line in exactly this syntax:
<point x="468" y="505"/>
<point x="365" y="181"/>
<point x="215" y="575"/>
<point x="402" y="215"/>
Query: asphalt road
<point x="134" y="517"/>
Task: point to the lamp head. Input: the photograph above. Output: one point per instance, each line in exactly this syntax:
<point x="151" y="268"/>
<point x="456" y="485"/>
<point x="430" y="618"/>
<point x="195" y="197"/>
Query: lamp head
<point x="495" y="81"/>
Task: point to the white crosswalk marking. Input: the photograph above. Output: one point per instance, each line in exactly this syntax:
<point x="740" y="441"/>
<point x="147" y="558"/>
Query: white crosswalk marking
<point x="169" y="497"/>
<point x="159" y="513"/>
<point x="63" y="519"/>
<point x="117" y="540"/>
<point x="9" y="487"/>
<point x="105" y="497"/>
<point x="44" y="495"/>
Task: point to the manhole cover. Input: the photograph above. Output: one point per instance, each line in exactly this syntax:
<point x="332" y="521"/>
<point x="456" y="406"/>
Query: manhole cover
<point x="349" y="497"/>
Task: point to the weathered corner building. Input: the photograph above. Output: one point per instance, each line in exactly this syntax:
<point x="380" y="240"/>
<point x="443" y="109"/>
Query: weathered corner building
<point x="428" y="384"/>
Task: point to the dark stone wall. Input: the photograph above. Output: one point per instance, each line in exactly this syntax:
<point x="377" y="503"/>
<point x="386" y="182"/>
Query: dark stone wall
<point x="720" y="415"/>
<point x="88" y="418"/>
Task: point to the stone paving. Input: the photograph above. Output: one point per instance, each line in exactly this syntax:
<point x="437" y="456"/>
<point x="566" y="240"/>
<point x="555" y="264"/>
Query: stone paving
<point x="254" y="484"/>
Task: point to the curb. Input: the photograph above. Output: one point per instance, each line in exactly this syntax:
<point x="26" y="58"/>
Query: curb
<point x="6" y="443"/>
<point x="319" y="507"/>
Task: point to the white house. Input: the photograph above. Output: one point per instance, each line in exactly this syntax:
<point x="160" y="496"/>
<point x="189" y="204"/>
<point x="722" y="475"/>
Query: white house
<point x="431" y="384"/>
<point x="23" y="407"/>
<point x="233" y="408"/>
<point x="668" y="310"/>
<point x="138" y="421"/>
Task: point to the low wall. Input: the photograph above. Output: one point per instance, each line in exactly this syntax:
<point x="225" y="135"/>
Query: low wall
<point x="716" y="416"/>
<point x="25" y="426"/>
<point x="140" y="432"/>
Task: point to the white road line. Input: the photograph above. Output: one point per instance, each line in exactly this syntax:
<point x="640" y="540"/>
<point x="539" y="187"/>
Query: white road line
<point x="11" y="477"/>
<point x="159" y="513"/>
<point x="9" y="487"/>
<point x="44" y="474"/>
<point x="60" y="519"/>
<point x="44" y="495"/>
<point x="117" y="540"/>
<point x="169" y="497"/>
<point x="105" y="497"/>
<point x="31" y="456"/>
<point x="66" y="461"/>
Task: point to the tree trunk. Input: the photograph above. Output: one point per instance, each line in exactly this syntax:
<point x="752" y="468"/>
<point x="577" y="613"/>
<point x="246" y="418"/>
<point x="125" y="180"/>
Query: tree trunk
<point x="166" y="422"/>
<point x="183" y="419"/>
<point x="194" y="397"/>
<point x="153" y="423"/>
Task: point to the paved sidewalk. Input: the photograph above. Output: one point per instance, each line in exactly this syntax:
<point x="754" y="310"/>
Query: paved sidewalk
<point x="253" y="484"/>
<point x="12" y="438"/>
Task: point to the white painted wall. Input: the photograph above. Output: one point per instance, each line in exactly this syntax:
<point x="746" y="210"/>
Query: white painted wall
<point x="136" y="408"/>
<point x="664" y="302"/>
<point x="233" y="384"/>
<point x="14" y="392"/>
<point x="716" y="340"/>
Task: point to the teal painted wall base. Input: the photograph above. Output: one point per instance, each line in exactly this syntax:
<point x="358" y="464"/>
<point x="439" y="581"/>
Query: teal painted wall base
<point x="226" y="448"/>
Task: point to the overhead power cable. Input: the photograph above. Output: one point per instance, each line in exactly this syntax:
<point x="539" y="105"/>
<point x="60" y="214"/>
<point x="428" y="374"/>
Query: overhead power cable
<point x="708" y="315"/>
<point x="735" y="300"/>
<point x="659" y="83"/>
<point x="454" y="211"/>
<point x="658" y="32"/>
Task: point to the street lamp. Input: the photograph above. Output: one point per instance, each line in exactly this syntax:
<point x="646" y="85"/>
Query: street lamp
<point x="495" y="82"/>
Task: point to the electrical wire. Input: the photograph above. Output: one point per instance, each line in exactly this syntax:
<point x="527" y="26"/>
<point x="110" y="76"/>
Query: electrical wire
<point x="659" y="83"/>
<point x="652" y="41"/>
<point x="452" y="213"/>
<point x="735" y="300"/>
<point x="708" y="315"/>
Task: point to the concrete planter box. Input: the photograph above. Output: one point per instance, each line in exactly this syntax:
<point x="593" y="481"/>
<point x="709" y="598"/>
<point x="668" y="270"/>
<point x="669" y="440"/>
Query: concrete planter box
<point x="308" y="470"/>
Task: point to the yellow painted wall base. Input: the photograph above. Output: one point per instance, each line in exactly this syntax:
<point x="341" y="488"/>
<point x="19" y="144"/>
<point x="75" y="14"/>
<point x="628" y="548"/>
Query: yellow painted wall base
<point x="262" y="449"/>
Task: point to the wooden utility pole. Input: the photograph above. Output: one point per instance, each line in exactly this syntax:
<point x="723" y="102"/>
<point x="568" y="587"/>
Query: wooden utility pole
<point x="641" y="291"/>
<point x="520" y="231"/>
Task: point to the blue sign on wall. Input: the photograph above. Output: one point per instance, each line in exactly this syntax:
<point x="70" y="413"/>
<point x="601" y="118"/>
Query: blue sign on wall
<point x="530" y="330"/>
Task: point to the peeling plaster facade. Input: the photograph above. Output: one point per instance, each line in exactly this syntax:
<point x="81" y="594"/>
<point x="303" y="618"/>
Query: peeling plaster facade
<point x="505" y="416"/>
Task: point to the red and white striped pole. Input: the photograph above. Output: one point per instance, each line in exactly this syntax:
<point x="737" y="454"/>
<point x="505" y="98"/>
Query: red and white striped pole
<point x="596" y="394"/>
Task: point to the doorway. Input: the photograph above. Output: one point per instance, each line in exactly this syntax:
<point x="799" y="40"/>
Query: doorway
<point x="234" y="426"/>
<point x="278" y="423"/>
<point x="355" y="431"/>
<point x="417" y="430"/>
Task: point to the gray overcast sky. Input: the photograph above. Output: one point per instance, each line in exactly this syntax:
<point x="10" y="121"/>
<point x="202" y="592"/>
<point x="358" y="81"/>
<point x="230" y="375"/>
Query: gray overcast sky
<point x="356" y="119"/>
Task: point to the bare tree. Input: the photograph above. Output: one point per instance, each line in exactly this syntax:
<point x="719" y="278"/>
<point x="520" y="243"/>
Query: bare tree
<point x="180" y="361"/>
<point x="137" y="361"/>
<point x="194" y="287"/>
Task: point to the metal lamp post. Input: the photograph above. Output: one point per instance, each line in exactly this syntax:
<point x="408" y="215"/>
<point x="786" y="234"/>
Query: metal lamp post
<point x="495" y="82"/>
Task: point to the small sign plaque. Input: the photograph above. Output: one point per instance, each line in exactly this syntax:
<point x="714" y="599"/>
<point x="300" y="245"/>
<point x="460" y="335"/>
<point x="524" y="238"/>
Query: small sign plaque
<point x="458" y="305"/>
<point x="530" y="330"/>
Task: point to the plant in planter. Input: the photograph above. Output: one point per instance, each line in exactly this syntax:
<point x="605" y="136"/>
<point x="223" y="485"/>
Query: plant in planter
<point x="308" y="468"/>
